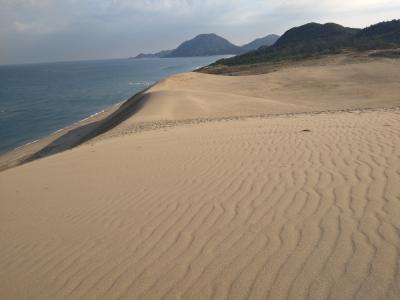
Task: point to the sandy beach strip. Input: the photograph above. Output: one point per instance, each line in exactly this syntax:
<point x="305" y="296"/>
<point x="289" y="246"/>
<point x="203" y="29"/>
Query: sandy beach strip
<point x="219" y="187"/>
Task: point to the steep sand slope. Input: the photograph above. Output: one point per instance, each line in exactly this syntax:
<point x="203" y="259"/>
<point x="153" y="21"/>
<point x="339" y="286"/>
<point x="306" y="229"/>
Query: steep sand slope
<point x="300" y="207"/>
<point x="291" y="90"/>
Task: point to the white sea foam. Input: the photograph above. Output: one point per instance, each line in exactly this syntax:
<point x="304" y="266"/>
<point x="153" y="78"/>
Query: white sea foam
<point x="140" y="83"/>
<point x="24" y="145"/>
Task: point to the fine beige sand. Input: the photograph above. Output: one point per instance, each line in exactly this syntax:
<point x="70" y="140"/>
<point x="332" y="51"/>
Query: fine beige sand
<point x="277" y="186"/>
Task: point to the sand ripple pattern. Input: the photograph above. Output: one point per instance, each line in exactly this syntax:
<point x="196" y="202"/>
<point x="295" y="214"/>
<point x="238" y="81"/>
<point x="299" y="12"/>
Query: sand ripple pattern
<point x="300" y="207"/>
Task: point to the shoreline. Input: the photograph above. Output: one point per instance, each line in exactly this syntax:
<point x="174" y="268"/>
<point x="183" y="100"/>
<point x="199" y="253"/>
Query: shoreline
<point x="32" y="150"/>
<point x="65" y="128"/>
<point x="57" y="131"/>
<point x="100" y="122"/>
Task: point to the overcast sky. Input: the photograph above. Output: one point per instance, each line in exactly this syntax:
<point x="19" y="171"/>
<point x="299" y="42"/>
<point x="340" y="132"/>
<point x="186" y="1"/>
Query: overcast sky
<point x="60" y="30"/>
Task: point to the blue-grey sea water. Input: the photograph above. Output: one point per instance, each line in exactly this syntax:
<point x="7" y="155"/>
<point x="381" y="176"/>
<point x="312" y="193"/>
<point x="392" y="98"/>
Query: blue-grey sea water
<point x="39" y="99"/>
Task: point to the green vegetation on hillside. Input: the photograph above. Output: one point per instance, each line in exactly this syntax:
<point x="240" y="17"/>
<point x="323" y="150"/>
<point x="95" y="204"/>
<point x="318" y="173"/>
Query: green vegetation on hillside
<point x="316" y="39"/>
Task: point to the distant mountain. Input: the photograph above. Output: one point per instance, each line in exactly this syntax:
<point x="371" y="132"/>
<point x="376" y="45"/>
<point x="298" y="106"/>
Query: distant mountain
<point x="160" y="54"/>
<point x="205" y="45"/>
<point x="313" y="38"/>
<point x="269" y="40"/>
<point x="211" y="44"/>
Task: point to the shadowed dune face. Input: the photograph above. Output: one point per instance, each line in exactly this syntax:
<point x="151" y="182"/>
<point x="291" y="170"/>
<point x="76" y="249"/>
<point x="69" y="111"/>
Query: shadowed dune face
<point x="302" y="207"/>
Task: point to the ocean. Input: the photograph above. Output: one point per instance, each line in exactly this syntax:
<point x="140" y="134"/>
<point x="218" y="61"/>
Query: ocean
<point x="39" y="99"/>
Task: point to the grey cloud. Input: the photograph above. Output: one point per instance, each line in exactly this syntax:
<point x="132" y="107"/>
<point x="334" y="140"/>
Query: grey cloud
<point x="49" y="30"/>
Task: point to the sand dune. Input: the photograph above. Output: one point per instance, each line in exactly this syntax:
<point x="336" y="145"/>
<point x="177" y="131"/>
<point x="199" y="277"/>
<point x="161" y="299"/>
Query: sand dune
<point x="325" y="87"/>
<point x="332" y="87"/>
<point x="219" y="205"/>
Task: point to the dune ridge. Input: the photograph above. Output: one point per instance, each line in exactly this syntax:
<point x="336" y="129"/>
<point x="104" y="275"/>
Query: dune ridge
<point x="212" y="203"/>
